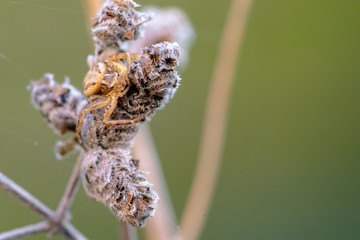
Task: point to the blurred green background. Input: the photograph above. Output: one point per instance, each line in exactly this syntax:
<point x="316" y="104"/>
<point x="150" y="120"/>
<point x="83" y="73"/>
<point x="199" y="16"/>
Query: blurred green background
<point x="291" y="166"/>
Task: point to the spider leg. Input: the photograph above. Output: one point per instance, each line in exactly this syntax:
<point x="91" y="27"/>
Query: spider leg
<point x="134" y="56"/>
<point x="96" y="98"/>
<point x="125" y="121"/>
<point x="112" y="105"/>
<point x="113" y="63"/>
<point x="95" y="114"/>
<point x="120" y="56"/>
<point x="128" y="56"/>
<point x="93" y="106"/>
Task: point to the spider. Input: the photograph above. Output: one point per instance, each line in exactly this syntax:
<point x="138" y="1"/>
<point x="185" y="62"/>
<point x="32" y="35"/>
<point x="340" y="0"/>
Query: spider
<point x="105" y="93"/>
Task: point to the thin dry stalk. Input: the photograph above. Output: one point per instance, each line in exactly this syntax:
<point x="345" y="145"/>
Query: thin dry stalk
<point x="30" y="201"/>
<point x="26" y="231"/>
<point x="92" y="6"/>
<point x="160" y="227"/>
<point x="215" y="122"/>
<point x="66" y="229"/>
<point x="70" y="190"/>
<point x="128" y="232"/>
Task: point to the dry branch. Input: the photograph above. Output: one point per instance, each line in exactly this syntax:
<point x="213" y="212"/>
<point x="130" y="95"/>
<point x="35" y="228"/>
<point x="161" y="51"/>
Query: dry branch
<point x="70" y="190"/>
<point x="127" y="231"/>
<point x="65" y="229"/>
<point x="92" y="6"/>
<point x="215" y="123"/>
<point x="162" y="225"/>
<point x="26" y="231"/>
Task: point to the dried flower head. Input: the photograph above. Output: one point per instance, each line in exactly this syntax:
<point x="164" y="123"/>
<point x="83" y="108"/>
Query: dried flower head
<point x="113" y="178"/>
<point x="109" y="173"/>
<point x="117" y="21"/>
<point x="59" y="104"/>
<point x="170" y="25"/>
<point x="155" y="82"/>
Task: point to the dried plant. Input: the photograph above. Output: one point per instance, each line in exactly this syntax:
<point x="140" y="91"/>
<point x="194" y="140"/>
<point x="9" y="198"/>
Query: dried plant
<point x="126" y="95"/>
<point x="110" y="175"/>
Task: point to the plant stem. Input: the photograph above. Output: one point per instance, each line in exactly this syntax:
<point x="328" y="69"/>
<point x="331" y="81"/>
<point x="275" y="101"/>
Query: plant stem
<point x="128" y="232"/>
<point x="92" y="7"/>
<point x="163" y="224"/>
<point x="215" y="122"/>
<point x="26" y="231"/>
<point x="24" y="196"/>
<point x="70" y="191"/>
<point x="67" y="230"/>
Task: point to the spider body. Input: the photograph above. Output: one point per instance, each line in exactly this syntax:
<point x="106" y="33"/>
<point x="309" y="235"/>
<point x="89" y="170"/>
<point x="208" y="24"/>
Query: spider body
<point x="105" y="91"/>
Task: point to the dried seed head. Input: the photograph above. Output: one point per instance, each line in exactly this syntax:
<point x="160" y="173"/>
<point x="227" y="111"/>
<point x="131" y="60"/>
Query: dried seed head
<point x="113" y="178"/>
<point x="109" y="173"/>
<point x="117" y="21"/>
<point x="155" y="75"/>
<point x="60" y="104"/>
<point x="168" y="24"/>
<point x="154" y="82"/>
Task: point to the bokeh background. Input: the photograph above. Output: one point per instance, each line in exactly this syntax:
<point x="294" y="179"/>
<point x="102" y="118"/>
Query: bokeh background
<point x="291" y="166"/>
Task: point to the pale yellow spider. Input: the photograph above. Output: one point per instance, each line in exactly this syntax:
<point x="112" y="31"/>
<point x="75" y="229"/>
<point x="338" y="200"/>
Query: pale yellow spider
<point x="100" y="96"/>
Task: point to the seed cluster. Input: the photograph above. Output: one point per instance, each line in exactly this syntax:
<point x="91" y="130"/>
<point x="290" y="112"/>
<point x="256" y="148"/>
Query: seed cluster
<point x="113" y="178"/>
<point x="109" y="181"/>
<point x="117" y="22"/>
<point x="109" y="174"/>
<point x="59" y="104"/>
<point x="154" y="84"/>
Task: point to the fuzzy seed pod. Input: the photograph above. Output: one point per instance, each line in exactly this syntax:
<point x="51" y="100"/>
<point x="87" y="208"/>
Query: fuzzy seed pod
<point x="59" y="104"/>
<point x="167" y="24"/>
<point x="154" y="83"/>
<point x="109" y="174"/>
<point x="117" y="21"/>
<point x="113" y="178"/>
